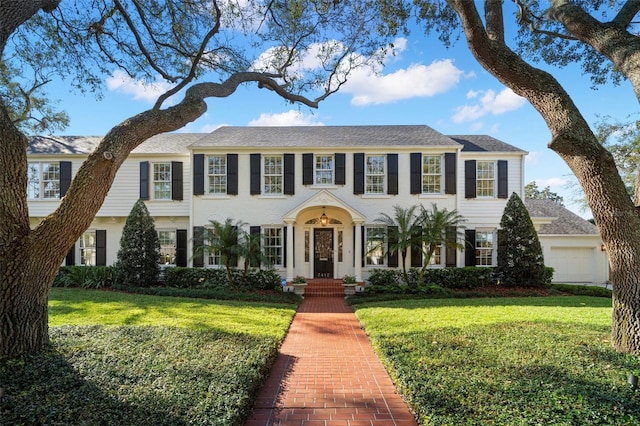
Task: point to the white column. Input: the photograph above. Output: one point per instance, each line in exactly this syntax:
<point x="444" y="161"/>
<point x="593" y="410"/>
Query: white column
<point x="289" y="251"/>
<point x="358" y="251"/>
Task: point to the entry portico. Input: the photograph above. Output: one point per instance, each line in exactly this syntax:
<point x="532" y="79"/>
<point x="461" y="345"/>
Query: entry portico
<point x="332" y="233"/>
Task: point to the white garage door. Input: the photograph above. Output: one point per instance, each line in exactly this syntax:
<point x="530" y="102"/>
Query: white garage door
<point x="571" y="264"/>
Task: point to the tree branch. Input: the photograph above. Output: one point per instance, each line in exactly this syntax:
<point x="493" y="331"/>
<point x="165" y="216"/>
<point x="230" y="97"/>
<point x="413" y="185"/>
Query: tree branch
<point x="626" y="14"/>
<point x="495" y="20"/>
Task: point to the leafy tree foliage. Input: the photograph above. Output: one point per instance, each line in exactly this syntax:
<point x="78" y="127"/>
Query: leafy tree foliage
<point x="532" y="191"/>
<point x="520" y="259"/>
<point x="139" y="254"/>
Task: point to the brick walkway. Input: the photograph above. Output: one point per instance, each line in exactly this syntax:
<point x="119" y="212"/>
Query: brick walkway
<point x="327" y="374"/>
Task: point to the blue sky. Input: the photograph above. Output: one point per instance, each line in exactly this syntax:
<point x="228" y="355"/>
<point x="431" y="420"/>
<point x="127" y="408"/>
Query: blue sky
<point x="423" y="83"/>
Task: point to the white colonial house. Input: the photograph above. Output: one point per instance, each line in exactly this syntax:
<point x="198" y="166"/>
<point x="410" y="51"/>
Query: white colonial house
<point x="314" y="193"/>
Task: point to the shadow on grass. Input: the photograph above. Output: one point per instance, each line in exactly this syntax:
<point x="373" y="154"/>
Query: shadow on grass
<point x="46" y="389"/>
<point x="136" y="376"/>
<point x="520" y="373"/>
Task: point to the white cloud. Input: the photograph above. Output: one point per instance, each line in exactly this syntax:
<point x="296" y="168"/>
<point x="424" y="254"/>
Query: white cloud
<point x="368" y="87"/>
<point x="289" y="118"/>
<point x="488" y="103"/>
<point x="552" y="182"/>
<point x="119" y="81"/>
<point x="533" y="158"/>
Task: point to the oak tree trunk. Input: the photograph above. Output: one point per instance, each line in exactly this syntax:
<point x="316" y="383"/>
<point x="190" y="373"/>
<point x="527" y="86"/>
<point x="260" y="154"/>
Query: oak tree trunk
<point x="575" y="142"/>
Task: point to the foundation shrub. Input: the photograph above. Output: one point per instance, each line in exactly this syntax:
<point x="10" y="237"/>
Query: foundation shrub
<point x="390" y="280"/>
<point x="85" y="276"/>
<point x="195" y="278"/>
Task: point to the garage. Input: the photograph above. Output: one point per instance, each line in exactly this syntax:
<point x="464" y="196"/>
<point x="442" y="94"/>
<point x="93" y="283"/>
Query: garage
<point x="572" y="264"/>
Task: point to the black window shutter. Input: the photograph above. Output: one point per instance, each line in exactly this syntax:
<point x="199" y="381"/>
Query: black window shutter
<point x="289" y="174"/>
<point x="65" y="177"/>
<point x="307" y="169"/>
<point x="470" y="179"/>
<point x="255" y="230"/>
<point x="284" y="246"/>
<point x="503" y="179"/>
<point x="198" y="174"/>
<point x="101" y="247"/>
<point x="233" y="260"/>
<point x="415" y="166"/>
<point x="176" y="181"/>
<point x="254" y="166"/>
<point x="470" y="247"/>
<point x="362" y="241"/>
<point x="232" y="174"/>
<point x="392" y="174"/>
<point x="198" y="246"/>
<point x="451" y="252"/>
<point x="341" y="177"/>
<point x="450" y="173"/>
<point x="358" y="173"/>
<point x="144" y="180"/>
<point x="70" y="259"/>
<point x="181" y="247"/>
<point x="392" y="257"/>
<point x="416" y="250"/>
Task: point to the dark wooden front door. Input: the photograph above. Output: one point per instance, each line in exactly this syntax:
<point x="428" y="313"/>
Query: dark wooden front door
<point x="323" y="253"/>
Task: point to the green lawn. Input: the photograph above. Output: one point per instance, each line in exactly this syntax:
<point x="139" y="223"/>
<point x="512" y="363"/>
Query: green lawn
<point x="506" y="361"/>
<point x="136" y="360"/>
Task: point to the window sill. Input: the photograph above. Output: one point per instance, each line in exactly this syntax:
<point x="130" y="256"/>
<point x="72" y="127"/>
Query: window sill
<point x="374" y="196"/>
<point x="431" y="196"/>
<point x="273" y="197"/>
<point x="323" y="186"/>
<point x="214" y="197"/>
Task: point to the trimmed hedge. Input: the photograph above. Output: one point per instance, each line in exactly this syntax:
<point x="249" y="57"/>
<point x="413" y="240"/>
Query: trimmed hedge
<point x="96" y="277"/>
<point x="390" y="280"/>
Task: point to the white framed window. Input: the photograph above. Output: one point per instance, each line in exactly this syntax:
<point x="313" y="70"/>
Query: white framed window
<point x="167" y="247"/>
<point x="273" y="174"/>
<point x="88" y="248"/>
<point x="485" y="243"/>
<point x="43" y="181"/>
<point x="217" y="172"/>
<point x="432" y="171"/>
<point x="374" y="246"/>
<point x="324" y="170"/>
<point x="272" y="244"/>
<point x="374" y="174"/>
<point x="437" y="257"/>
<point x="162" y="181"/>
<point x="486" y="178"/>
<point x="214" y="258"/>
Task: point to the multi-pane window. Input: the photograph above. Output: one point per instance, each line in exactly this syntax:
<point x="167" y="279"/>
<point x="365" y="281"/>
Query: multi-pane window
<point x="88" y="248"/>
<point x="436" y="257"/>
<point x="273" y="174"/>
<point x="272" y="245"/>
<point x="374" y="246"/>
<point x="162" y="181"/>
<point x="214" y="258"/>
<point x="43" y="180"/>
<point x="374" y="174"/>
<point x="485" y="178"/>
<point x="431" y="174"/>
<point x="484" y="248"/>
<point x="324" y="170"/>
<point x="167" y="247"/>
<point x="217" y="171"/>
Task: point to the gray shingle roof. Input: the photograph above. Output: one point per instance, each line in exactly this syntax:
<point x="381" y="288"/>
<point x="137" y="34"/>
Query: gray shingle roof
<point x="567" y="222"/>
<point x="325" y="136"/>
<point x="166" y="143"/>
<point x="483" y="143"/>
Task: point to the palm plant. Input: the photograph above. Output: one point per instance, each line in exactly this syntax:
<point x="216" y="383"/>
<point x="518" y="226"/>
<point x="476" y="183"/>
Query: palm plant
<point x="439" y="228"/>
<point x="401" y="233"/>
<point x="226" y="240"/>
<point x="251" y="251"/>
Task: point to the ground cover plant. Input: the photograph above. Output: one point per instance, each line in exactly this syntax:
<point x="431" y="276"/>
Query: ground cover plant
<point x="505" y="361"/>
<point x="131" y="359"/>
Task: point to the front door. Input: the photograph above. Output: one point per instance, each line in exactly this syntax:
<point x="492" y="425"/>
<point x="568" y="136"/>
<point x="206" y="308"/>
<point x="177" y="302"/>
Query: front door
<point x="323" y="253"/>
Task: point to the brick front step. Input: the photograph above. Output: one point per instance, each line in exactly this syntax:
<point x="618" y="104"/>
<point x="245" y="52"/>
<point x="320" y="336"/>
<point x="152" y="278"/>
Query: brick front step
<point x="324" y="287"/>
